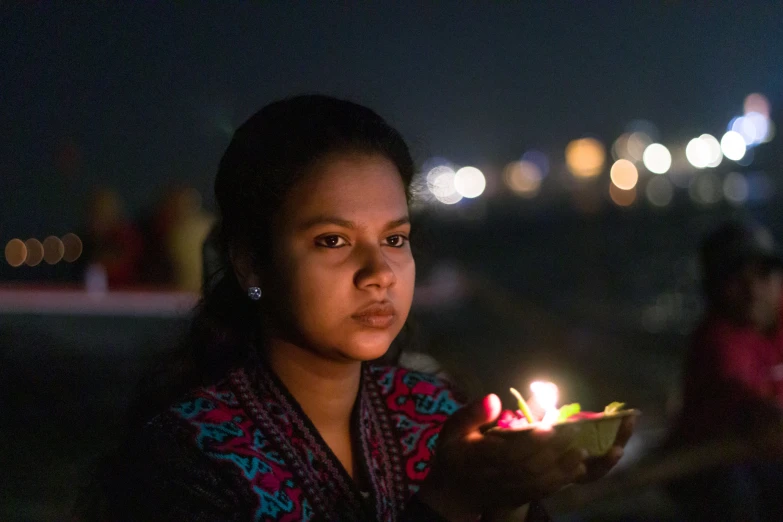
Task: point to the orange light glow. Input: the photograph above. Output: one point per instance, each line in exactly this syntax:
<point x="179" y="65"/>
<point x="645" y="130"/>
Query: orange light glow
<point x="15" y="252"/>
<point x="523" y="177"/>
<point x="623" y="198"/>
<point x="53" y="250"/>
<point x="585" y="157"/>
<point x="624" y="174"/>
<point x="35" y="252"/>
<point x="72" y="247"/>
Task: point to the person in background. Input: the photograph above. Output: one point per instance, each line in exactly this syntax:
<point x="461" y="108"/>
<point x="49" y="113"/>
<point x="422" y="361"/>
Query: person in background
<point x="184" y="239"/>
<point x="113" y="246"/>
<point x="278" y="411"/>
<point x="733" y="381"/>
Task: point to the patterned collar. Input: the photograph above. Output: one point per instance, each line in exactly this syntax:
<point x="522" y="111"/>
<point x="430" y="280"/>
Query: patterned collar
<point x="324" y="481"/>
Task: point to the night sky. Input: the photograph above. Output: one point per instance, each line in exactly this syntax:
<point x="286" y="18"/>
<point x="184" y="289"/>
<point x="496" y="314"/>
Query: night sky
<point x="141" y="94"/>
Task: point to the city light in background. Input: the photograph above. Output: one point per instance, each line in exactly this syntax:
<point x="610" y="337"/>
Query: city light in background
<point x="523" y="178"/>
<point x="440" y="182"/>
<point x="53" y="250"/>
<point x="642" y="166"/>
<point x="637" y="154"/>
<point x="469" y="182"/>
<point x="585" y="157"/>
<point x="624" y="174"/>
<point x="732" y="144"/>
<point x="623" y="198"/>
<point x="657" y="159"/>
<point x="698" y="153"/>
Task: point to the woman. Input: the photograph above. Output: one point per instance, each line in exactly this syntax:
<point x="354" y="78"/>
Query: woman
<point x="286" y="418"/>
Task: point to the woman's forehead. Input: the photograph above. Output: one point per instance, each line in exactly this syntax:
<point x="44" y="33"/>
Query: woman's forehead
<point x="355" y="187"/>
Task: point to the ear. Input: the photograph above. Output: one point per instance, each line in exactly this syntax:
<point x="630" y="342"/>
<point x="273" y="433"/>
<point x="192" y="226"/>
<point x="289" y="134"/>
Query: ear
<point x="242" y="264"/>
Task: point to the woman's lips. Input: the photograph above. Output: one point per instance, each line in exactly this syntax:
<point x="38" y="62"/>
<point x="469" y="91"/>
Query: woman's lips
<point x="376" y="315"/>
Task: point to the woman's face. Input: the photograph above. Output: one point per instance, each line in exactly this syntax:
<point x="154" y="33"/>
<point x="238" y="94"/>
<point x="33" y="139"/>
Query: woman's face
<point x="344" y="269"/>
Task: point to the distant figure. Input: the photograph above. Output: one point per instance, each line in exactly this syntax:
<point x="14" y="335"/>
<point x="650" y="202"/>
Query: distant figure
<point x="734" y="374"/>
<point x="114" y="245"/>
<point x="185" y="238"/>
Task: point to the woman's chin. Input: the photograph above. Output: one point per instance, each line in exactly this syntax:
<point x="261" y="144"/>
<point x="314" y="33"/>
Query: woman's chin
<point x="369" y="346"/>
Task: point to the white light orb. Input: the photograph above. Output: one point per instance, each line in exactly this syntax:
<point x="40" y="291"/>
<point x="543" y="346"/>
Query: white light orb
<point x="714" y="155"/>
<point x="470" y="182"/>
<point x="733" y="145"/>
<point x="657" y="159"/>
<point x="698" y="153"/>
<point x="440" y="182"/>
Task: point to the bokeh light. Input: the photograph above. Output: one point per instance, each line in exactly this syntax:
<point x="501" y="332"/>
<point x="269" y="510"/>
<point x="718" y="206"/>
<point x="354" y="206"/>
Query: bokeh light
<point x="698" y="153"/>
<point x="637" y="143"/>
<point x="622" y="198"/>
<point x="470" y="182"/>
<point x="735" y="188"/>
<point x="753" y="127"/>
<point x="659" y="191"/>
<point x="733" y="145"/>
<point x="624" y="174"/>
<point x="523" y="177"/>
<point x="756" y="102"/>
<point x="714" y="154"/>
<point x="657" y="159"/>
<point x="620" y="148"/>
<point x="35" y="252"/>
<point x="72" y="247"/>
<point x="53" y="250"/>
<point x="440" y="182"/>
<point x="15" y="252"/>
<point x="585" y="157"/>
<point x="706" y="189"/>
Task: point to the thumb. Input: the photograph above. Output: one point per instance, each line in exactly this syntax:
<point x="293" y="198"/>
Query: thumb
<point x="473" y="416"/>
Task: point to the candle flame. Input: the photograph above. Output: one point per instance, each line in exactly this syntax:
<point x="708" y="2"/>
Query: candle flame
<point x="546" y="396"/>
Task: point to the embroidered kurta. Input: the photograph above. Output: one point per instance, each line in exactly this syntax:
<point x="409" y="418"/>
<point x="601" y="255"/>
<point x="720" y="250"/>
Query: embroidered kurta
<point x="244" y="450"/>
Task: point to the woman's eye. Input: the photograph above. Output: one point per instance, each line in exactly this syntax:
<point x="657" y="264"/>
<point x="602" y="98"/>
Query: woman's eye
<point x="396" y="241"/>
<point x="331" y="241"/>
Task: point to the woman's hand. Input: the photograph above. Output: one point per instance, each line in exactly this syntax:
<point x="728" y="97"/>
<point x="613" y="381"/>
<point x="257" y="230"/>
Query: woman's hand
<point x="473" y="472"/>
<point x="597" y="467"/>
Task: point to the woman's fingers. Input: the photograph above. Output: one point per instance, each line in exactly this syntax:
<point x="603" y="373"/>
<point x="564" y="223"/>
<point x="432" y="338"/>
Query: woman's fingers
<point x="597" y="467"/>
<point x="625" y="431"/>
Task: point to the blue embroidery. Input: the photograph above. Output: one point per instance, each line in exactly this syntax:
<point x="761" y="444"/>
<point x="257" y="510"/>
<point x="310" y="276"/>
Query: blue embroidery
<point x="217" y="432"/>
<point x="190" y="409"/>
<point x="272" y="504"/>
<point x="250" y="466"/>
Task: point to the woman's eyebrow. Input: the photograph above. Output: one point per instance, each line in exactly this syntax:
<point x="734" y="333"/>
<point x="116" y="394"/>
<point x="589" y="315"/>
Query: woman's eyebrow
<point x="344" y="223"/>
<point x="398" y="222"/>
<point x="327" y="220"/>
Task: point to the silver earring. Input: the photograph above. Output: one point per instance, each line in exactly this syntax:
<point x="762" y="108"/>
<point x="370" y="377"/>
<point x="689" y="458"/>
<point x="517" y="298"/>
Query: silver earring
<point x="254" y="293"/>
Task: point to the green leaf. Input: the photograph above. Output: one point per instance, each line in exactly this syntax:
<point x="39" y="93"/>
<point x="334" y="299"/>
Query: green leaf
<point x="614" y="407"/>
<point x="568" y="410"/>
<point x="523" y="406"/>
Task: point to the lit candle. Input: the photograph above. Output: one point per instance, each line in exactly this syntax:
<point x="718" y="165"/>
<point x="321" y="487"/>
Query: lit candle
<point x="546" y="395"/>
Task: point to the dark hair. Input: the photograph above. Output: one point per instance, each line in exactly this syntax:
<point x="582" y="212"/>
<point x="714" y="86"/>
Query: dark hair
<point x="267" y="156"/>
<point x="730" y="248"/>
